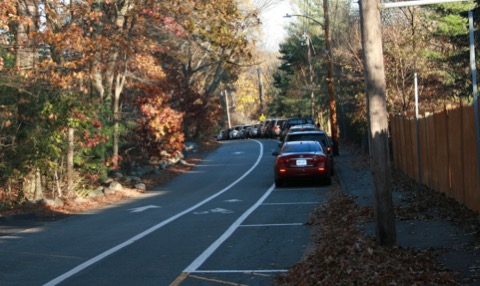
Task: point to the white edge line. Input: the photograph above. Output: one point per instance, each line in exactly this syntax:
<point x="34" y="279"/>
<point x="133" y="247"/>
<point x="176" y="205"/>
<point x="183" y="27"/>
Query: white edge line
<point x="296" y="203"/>
<point x="242" y="271"/>
<point x="114" y="249"/>
<point x="272" y="224"/>
<point x="206" y="254"/>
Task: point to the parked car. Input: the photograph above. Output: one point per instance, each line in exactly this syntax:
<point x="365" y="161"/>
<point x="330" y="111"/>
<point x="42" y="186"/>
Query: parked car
<point x="234" y="131"/>
<point x="275" y="131"/>
<point x="303" y="127"/>
<point x="222" y="135"/>
<point x="295" y="121"/>
<point x="316" y="135"/>
<point x="262" y="129"/>
<point x="253" y="132"/>
<point x="300" y="160"/>
<point x="243" y="133"/>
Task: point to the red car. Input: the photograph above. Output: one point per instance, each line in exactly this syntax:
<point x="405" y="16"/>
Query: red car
<point x="301" y="159"/>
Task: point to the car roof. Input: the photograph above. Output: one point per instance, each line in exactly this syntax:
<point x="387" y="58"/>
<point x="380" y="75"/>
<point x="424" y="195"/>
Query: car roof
<point x="307" y="132"/>
<point x="302" y="142"/>
<point x="302" y="120"/>
<point x="299" y="127"/>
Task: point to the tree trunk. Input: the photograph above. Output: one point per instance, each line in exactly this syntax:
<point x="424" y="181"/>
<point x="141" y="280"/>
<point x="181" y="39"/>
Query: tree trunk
<point x="120" y="81"/>
<point x="331" y="88"/>
<point x="25" y="51"/>
<point x="70" y="155"/>
<point x="32" y="185"/>
<point x="38" y="185"/>
<point x="378" y="119"/>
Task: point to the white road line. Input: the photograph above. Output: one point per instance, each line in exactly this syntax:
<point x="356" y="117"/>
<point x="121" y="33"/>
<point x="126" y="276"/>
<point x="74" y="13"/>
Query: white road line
<point x="272" y="224"/>
<point x="297" y="203"/>
<point x="206" y="254"/>
<point x="150" y="230"/>
<point x="242" y="271"/>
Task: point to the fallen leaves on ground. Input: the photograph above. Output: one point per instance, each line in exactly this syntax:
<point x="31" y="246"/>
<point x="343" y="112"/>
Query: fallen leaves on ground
<point x="345" y="256"/>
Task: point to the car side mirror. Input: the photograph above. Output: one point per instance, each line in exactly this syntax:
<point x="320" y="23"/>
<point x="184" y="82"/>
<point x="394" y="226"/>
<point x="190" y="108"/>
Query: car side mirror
<point x="274" y="153"/>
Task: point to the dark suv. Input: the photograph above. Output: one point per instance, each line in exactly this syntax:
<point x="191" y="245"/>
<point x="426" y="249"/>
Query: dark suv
<point x="295" y="121"/>
<point x="317" y="135"/>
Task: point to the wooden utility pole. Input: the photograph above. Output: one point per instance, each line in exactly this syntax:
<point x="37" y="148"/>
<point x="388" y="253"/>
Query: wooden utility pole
<point x="228" y="108"/>
<point x="312" y="83"/>
<point x="378" y="122"/>
<point x="260" y="89"/>
<point x="331" y="88"/>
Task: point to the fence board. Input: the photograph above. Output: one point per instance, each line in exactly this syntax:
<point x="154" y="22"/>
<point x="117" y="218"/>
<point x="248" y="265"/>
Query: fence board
<point x="455" y="154"/>
<point x="424" y="160"/>
<point x="403" y="159"/>
<point x="395" y="138"/>
<point x="414" y="151"/>
<point x="471" y="185"/>
<point x="448" y="153"/>
<point x="442" y="151"/>
<point x="408" y="148"/>
<point x="432" y="153"/>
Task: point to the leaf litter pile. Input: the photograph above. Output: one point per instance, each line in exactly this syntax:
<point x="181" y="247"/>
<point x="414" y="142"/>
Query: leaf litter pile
<point x="344" y="255"/>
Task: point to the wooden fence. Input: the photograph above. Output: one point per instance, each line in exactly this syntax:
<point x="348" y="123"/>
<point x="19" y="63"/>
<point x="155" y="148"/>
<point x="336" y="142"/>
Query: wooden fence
<point x="448" y="152"/>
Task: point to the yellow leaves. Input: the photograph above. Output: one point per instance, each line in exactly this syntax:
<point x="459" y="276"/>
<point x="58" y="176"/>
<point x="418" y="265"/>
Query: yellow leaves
<point x="7" y="123"/>
<point x="246" y="95"/>
<point x="147" y="64"/>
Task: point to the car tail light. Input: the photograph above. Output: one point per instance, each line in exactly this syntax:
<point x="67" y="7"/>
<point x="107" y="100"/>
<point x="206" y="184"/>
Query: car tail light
<point x="282" y="164"/>
<point x="319" y="159"/>
<point x="329" y="148"/>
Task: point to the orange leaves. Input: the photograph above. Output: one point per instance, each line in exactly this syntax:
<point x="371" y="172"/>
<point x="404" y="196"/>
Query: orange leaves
<point x="148" y="66"/>
<point x="160" y="127"/>
<point x="7" y="13"/>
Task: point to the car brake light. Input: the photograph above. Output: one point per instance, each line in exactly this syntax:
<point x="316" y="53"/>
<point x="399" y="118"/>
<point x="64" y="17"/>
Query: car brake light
<point x="282" y="164"/>
<point x="319" y="159"/>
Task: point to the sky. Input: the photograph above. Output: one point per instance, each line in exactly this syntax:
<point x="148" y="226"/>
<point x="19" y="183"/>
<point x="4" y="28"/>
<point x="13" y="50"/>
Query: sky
<point x="274" y="24"/>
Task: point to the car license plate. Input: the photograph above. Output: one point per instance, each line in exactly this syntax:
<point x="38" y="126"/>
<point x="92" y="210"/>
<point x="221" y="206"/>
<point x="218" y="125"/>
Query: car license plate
<point x="301" y="162"/>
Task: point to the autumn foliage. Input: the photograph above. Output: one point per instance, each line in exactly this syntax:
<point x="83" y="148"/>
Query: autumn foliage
<point x="121" y="77"/>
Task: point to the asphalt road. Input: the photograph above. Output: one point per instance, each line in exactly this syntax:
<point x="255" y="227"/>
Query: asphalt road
<point x="222" y="223"/>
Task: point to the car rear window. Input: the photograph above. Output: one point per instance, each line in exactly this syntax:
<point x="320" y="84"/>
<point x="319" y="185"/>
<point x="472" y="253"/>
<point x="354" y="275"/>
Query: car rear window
<point x="308" y="137"/>
<point x="307" y="147"/>
<point x="300" y="121"/>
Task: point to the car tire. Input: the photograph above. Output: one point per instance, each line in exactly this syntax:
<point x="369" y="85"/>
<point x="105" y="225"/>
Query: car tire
<point x="328" y="181"/>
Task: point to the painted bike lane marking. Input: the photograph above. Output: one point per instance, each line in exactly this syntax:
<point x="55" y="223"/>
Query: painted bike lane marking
<point x="141" y="235"/>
